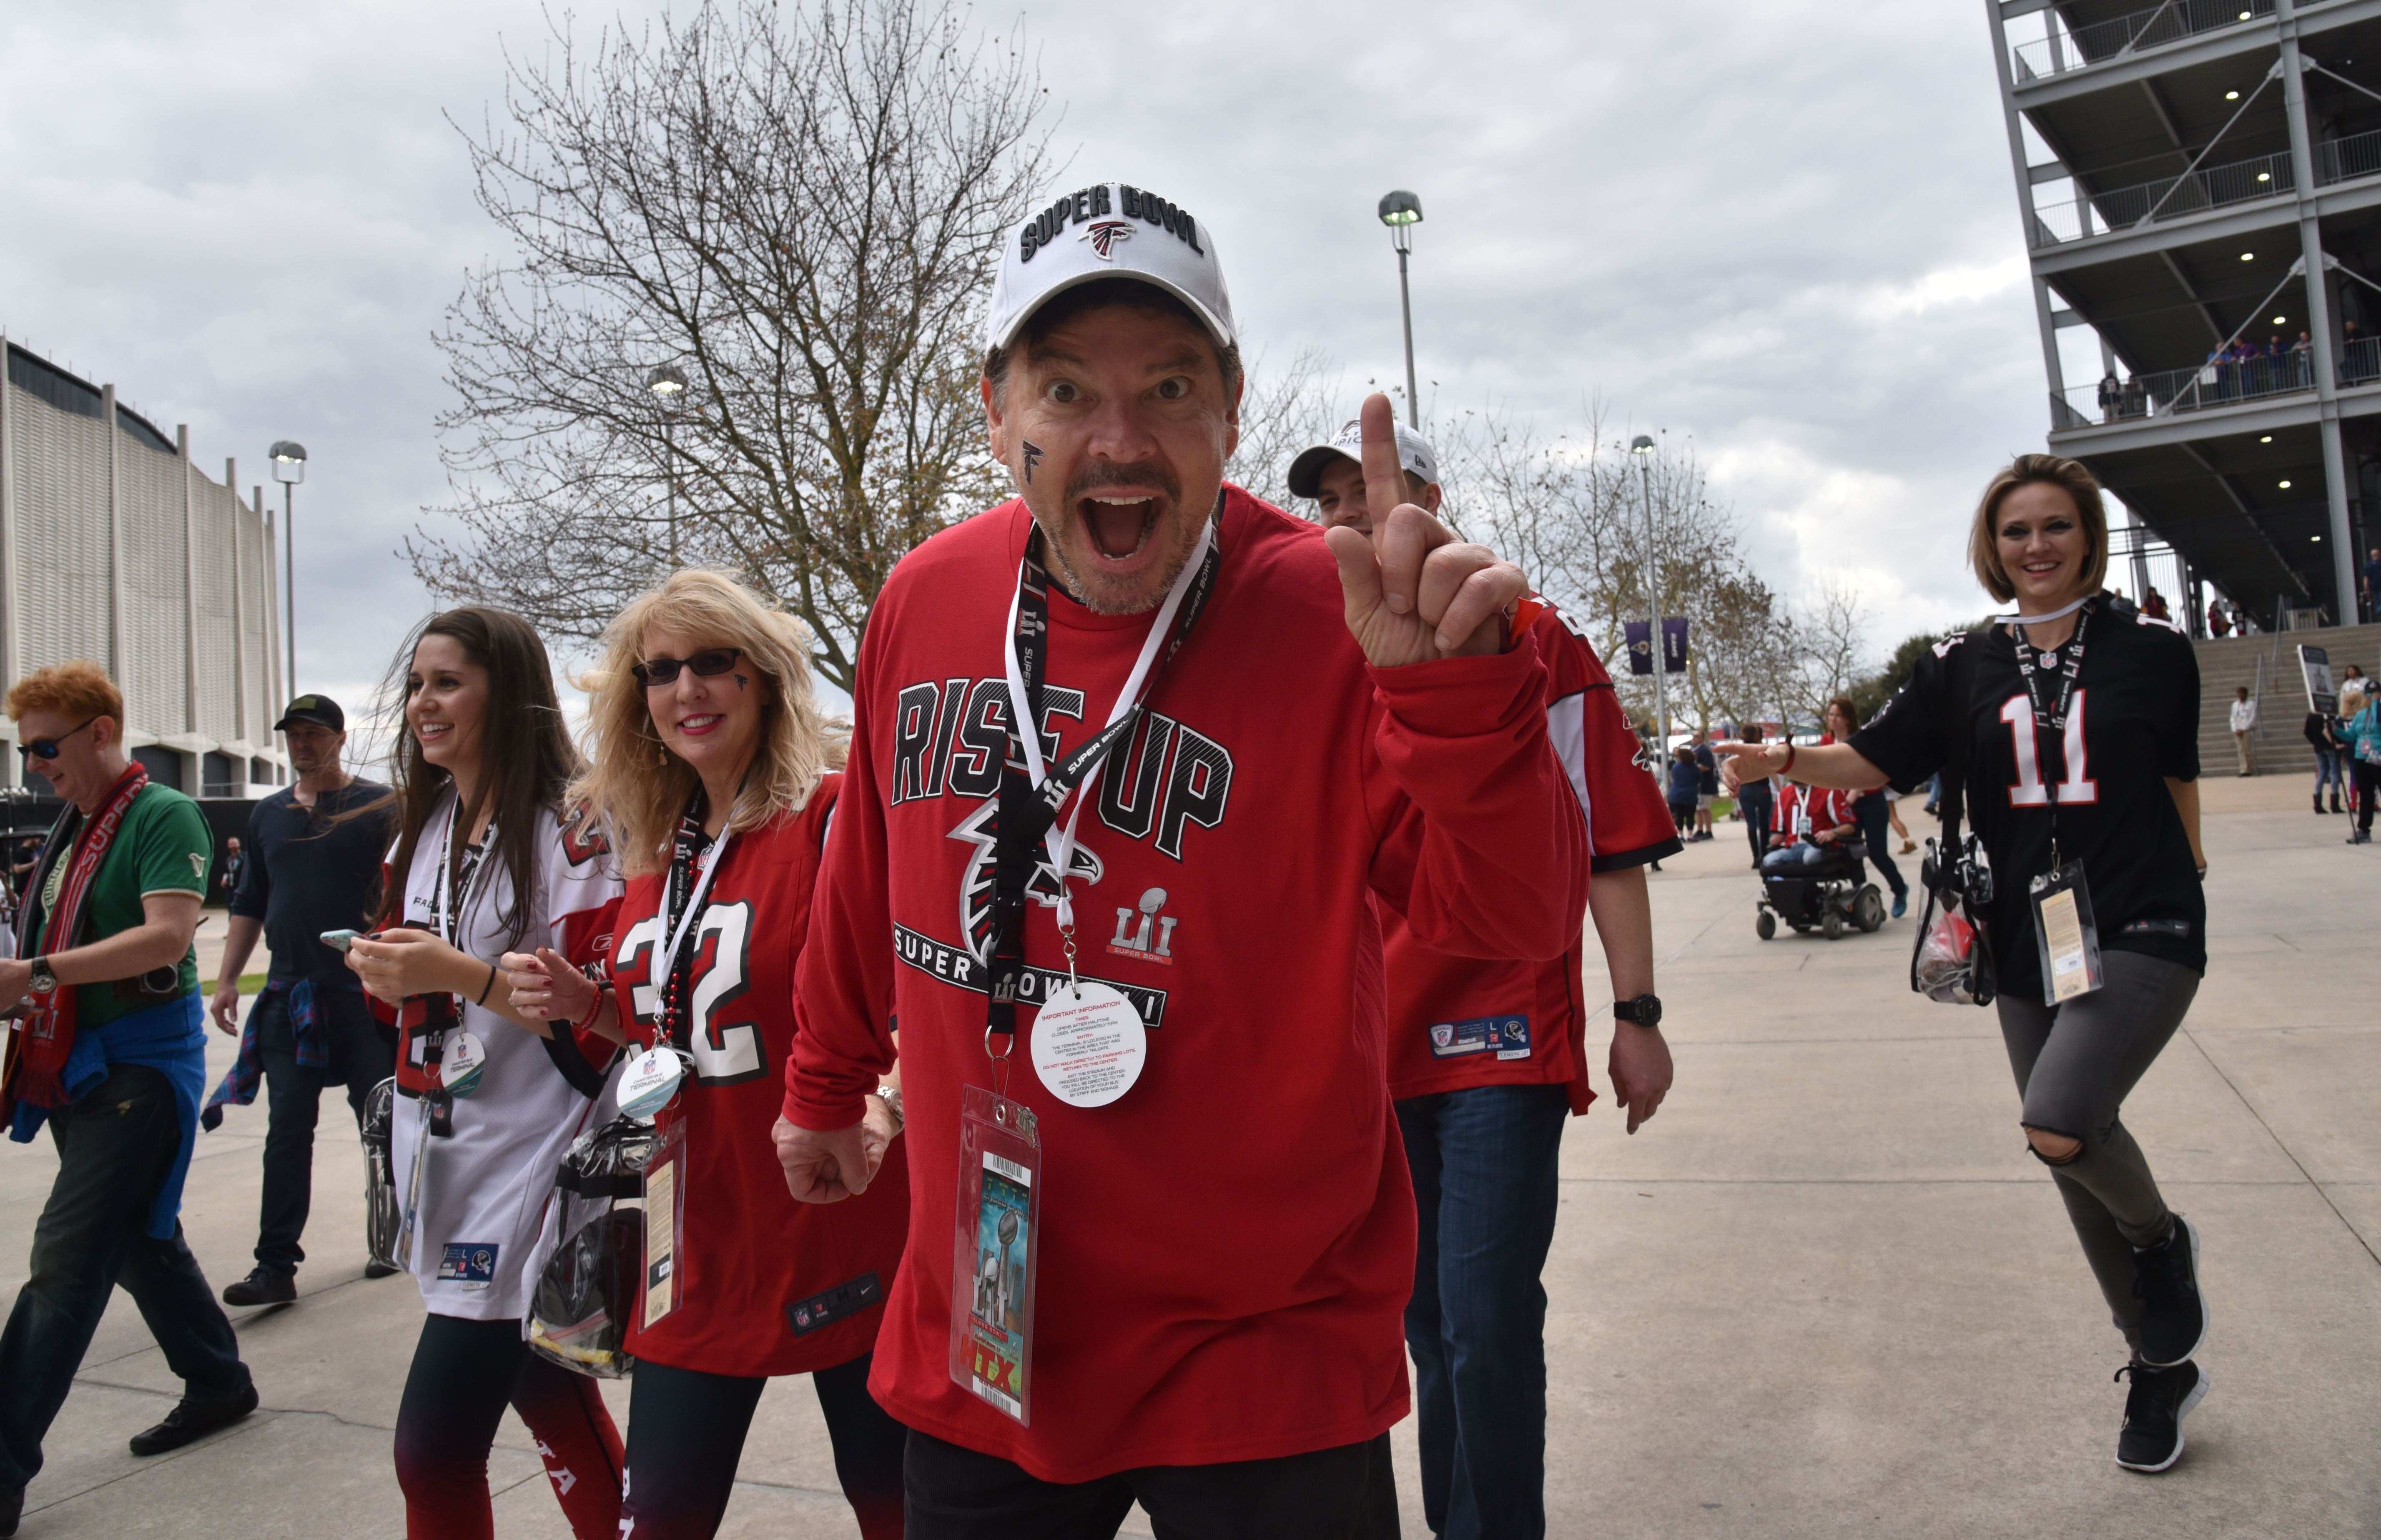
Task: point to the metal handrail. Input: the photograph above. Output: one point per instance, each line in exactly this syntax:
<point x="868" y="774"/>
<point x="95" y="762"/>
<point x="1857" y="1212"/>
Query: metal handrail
<point x="2217" y="383"/>
<point x="2210" y="187"/>
<point x="2345" y="159"/>
<point x="2069" y="48"/>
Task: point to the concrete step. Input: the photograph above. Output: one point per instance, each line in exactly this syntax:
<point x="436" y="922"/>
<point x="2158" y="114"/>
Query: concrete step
<point x="2268" y="664"/>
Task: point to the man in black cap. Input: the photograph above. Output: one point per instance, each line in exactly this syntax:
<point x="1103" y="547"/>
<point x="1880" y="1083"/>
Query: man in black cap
<point x="313" y="864"/>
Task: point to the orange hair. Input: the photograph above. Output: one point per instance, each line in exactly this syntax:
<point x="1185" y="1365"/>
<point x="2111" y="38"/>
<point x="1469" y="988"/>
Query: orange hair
<point x="80" y="689"/>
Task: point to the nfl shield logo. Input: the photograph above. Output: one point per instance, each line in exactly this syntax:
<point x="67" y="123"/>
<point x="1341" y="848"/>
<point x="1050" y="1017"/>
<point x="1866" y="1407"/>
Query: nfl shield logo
<point x="1444" y="1035"/>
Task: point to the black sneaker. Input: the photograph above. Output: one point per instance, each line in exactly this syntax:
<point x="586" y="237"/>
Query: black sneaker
<point x="2159" y="1400"/>
<point x="12" y="1509"/>
<point x="190" y="1421"/>
<point x="375" y="1268"/>
<point x="2166" y="1279"/>
<point x="262" y="1286"/>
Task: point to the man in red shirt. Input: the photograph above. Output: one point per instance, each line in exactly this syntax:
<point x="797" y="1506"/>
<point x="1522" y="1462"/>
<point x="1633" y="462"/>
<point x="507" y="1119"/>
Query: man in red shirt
<point x="1162" y="1254"/>
<point x="1808" y="818"/>
<point x="1486" y="1060"/>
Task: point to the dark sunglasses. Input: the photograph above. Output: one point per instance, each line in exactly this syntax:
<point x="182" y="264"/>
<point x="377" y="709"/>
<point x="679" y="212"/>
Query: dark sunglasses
<point x="47" y="748"/>
<point x="709" y="663"/>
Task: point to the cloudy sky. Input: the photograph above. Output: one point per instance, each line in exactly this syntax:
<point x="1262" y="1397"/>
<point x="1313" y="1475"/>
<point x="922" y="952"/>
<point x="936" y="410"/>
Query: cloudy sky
<point x="1785" y="230"/>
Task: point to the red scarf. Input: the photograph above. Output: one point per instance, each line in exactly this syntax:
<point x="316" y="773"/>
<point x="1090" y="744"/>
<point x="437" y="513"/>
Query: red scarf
<point x="43" y="1035"/>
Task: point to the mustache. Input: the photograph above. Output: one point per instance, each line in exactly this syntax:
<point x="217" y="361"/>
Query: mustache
<point x="1092" y="478"/>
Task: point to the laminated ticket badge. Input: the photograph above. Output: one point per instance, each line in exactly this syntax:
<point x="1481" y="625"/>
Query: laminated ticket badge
<point x="1089" y="1043"/>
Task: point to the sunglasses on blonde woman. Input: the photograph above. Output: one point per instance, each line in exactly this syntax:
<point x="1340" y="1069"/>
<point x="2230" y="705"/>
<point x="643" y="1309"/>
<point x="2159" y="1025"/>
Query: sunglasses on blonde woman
<point x="709" y="663"/>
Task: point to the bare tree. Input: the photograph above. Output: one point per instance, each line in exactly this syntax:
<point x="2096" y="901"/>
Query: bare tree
<point x="1834" y="651"/>
<point x="1283" y="412"/>
<point x="796" y="214"/>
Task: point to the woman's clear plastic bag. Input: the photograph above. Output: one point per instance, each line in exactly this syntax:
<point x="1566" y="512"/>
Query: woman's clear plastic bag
<point x="590" y="1287"/>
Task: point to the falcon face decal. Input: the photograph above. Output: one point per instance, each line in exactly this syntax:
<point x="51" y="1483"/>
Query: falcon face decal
<point x="1105" y="235"/>
<point x="975" y="883"/>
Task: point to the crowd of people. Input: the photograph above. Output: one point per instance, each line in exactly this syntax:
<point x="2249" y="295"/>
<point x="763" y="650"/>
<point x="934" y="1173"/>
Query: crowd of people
<point x="1032" y="1288"/>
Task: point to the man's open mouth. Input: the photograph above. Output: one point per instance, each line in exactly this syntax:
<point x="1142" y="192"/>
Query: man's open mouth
<point x="1118" y="526"/>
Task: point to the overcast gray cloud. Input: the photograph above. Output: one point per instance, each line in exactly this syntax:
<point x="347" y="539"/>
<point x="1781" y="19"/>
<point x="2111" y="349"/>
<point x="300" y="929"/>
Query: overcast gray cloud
<point x="1784" y="230"/>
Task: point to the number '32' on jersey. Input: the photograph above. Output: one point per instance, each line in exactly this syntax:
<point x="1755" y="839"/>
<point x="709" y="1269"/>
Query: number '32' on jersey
<point x="751" y="1260"/>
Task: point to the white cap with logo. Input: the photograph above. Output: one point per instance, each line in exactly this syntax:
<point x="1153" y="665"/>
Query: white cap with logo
<point x="1108" y="230"/>
<point x="1414" y="453"/>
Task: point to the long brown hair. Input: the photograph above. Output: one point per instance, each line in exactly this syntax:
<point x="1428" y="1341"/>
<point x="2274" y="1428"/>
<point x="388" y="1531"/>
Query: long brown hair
<point x="526" y="757"/>
<point x="633" y="783"/>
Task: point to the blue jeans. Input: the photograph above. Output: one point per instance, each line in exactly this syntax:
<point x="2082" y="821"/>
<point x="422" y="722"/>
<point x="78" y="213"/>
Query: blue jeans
<point x="1486" y="1189"/>
<point x="116" y="1144"/>
<point x="2327" y="773"/>
<point x="1753" y="800"/>
<point x="362" y="1055"/>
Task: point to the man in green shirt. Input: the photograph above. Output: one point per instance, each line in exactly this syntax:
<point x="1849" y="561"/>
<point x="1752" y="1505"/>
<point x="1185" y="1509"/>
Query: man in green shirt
<point x="121" y="939"/>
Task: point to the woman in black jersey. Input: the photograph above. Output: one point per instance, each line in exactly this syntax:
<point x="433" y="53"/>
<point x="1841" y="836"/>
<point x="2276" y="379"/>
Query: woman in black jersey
<point x="2081" y="732"/>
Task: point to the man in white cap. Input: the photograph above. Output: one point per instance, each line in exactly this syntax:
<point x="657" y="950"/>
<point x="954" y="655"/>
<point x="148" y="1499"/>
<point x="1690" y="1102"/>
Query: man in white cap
<point x="1242" y="736"/>
<point x="1488" y="1058"/>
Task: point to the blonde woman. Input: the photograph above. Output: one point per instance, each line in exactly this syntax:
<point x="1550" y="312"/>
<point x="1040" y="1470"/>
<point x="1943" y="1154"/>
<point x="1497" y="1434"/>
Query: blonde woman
<point x="716" y="774"/>
<point x="2081" y="767"/>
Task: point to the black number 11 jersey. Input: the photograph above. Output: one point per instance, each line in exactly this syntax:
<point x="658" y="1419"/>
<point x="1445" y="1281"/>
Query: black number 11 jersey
<point x="2133" y="723"/>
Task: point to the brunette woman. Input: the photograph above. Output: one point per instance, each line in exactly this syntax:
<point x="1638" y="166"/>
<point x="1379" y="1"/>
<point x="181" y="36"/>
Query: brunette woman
<point x="2077" y="721"/>
<point x="489" y="1097"/>
<point x="716" y="774"/>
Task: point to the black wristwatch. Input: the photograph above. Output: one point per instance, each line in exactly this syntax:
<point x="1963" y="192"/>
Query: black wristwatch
<point x="1645" y="1010"/>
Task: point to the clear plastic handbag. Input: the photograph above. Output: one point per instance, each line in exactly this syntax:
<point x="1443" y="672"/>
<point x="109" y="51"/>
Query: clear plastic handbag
<point x="590" y="1287"/>
<point x="381" y="1219"/>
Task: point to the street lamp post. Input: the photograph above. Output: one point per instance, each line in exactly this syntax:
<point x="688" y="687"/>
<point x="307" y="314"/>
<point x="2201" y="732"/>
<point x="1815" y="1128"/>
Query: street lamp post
<point x="669" y="382"/>
<point x="1402" y="212"/>
<point x="290" y="468"/>
<point x="1643" y="447"/>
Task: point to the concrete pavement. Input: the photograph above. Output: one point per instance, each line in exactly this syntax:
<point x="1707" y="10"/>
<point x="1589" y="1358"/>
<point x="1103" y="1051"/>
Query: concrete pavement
<point x="1826" y="1291"/>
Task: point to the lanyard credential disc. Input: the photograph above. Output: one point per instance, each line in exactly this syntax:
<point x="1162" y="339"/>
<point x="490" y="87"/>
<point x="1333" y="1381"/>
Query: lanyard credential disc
<point x="1089" y="1044"/>
<point x="649" y="1082"/>
<point x="464" y="1058"/>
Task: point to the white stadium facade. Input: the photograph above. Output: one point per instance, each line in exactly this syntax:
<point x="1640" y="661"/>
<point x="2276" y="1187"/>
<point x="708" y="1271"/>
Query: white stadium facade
<point x="115" y="547"/>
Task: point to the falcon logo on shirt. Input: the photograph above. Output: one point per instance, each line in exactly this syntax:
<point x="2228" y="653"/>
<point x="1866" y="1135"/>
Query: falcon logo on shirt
<point x="975" y="881"/>
<point x="1105" y="235"/>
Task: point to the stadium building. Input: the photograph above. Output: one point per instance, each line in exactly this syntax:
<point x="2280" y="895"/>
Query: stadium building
<point x="114" y="546"/>
<point x="2200" y="182"/>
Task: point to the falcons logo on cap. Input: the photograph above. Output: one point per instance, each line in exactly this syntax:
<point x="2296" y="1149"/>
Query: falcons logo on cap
<point x="1105" y="235"/>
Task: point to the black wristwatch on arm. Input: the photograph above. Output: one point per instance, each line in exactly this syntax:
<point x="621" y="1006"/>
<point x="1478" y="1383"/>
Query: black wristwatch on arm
<point x="1645" y="1010"/>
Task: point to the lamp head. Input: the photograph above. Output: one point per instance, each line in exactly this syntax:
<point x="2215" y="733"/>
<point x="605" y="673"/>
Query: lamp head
<point x="289" y="462"/>
<point x="1641" y="444"/>
<point x="1401" y="208"/>
<point x="669" y="382"/>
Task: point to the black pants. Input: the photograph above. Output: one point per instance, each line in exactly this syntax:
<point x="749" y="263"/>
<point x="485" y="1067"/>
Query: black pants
<point x="116" y="1144"/>
<point x="686" y="1435"/>
<point x="1348" y="1493"/>
<point x="1870" y="813"/>
<point x="364" y="1053"/>
<point x="464" y="1374"/>
<point x="2368" y="782"/>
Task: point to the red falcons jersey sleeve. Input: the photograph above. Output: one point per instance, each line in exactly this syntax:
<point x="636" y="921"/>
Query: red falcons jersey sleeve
<point x="767" y="1285"/>
<point x="1193" y="1303"/>
<point x="1455" y="1022"/>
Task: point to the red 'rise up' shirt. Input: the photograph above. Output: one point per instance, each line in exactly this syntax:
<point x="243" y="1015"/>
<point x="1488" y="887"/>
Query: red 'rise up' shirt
<point x="1228" y="1249"/>
<point x="1456" y="1022"/>
<point x="766" y="1285"/>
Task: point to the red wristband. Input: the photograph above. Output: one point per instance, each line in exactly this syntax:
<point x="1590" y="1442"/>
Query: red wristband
<point x="592" y="1011"/>
<point x="1789" y="765"/>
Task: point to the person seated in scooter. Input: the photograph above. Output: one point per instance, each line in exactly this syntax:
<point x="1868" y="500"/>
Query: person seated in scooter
<point x="1808" y="822"/>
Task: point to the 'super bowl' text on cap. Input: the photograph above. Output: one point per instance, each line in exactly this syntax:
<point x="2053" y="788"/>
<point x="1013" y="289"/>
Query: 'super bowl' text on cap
<point x="321" y="709"/>
<point x="1108" y="230"/>
<point x="1414" y="453"/>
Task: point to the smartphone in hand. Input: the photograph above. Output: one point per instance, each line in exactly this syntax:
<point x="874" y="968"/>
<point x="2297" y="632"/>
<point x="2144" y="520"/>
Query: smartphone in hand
<point x="337" y="940"/>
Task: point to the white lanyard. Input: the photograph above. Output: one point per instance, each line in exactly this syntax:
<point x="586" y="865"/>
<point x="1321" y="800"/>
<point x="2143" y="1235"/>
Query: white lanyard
<point x="450" y="921"/>
<point x="713" y="859"/>
<point x="1060" y="840"/>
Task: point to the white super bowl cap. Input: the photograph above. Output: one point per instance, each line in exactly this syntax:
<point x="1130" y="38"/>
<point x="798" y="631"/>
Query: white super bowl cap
<point x="1414" y="453"/>
<point x="1108" y="230"/>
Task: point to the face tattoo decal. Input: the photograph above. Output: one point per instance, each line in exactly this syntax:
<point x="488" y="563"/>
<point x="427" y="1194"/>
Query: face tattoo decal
<point x="1033" y="458"/>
